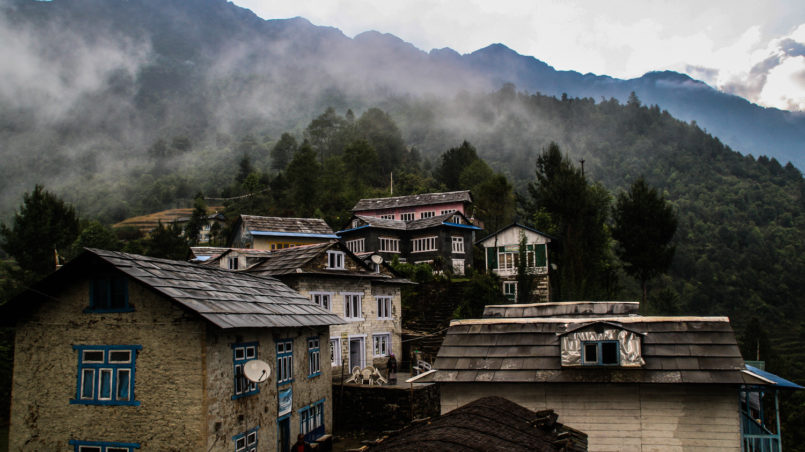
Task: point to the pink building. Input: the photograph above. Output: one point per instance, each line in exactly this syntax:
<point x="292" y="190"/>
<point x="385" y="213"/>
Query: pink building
<point x="415" y="207"/>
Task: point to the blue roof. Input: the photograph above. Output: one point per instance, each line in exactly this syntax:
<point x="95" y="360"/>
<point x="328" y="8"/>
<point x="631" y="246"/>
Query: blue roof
<point x="456" y="225"/>
<point x="777" y="381"/>
<point x="352" y="229"/>
<point x="294" y="234"/>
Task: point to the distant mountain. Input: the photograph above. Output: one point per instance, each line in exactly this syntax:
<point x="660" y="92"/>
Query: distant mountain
<point x="91" y="84"/>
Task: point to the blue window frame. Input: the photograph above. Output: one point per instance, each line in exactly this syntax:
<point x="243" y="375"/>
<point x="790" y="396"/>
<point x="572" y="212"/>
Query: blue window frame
<point x="313" y="357"/>
<point x="311" y="420"/>
<point x="246" y="441"/>
<point x="102" y="446"/>
<point x="106" y="374"/>
<point x="109" y="293"/>
<point x="241" y="353"/>
<point x="600" y="353"/>
<point x="284" y="361"/>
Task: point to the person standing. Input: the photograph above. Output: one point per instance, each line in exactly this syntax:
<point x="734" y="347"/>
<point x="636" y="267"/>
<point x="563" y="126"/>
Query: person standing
<point x="392" y="367"/>
<point x="300" y="445"/>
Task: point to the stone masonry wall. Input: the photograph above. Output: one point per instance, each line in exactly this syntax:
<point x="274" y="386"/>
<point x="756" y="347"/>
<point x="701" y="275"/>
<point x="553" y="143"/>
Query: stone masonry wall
<point x="228" y="417"/>
<point x="168" y="374"/>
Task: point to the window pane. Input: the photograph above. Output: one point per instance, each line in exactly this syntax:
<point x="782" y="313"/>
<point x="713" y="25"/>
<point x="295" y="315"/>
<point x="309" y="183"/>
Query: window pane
<point x="239" y="353"/>
<point x="123" y="383"/>
<point x="105" y="384"/>
<point x="591" y="353"/>
<point x="119" y="356"/>
<point x="87" y="383"/>
<point x="89" y="449"/>
<point x="118" y="449"/>
<point x="100" y="293"/>
<point x="118" y="296"/>
<point x="609" y="353"/>
<point x="250" y="352"/>
<point x="91" y="356"/>
<point x="251" y="439"/>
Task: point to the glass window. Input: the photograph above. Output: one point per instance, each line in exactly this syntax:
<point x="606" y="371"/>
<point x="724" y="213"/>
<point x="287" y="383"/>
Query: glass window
<point x="322" y="299"/>
<point x="335" y="260"/>
<point x="241" y="354"/>
<point x="284" y="361"/>
<point x="383" y="307"/>
<point x="109" y="294"/>
<point x="314" y="357"/>
<point x="106" y="374"/>
<point x="352" y="306"/>
<point x="381" y="344"/>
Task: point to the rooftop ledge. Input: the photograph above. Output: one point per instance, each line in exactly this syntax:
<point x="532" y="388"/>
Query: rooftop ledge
<point x="630" y="319"/>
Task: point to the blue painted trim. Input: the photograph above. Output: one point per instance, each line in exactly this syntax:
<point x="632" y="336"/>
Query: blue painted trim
<point x="353" y="229"/>
<point x="106" y="365"/>
<point x="242" y="361"/>
<point x="240" y="435"/>
<point x="110" y="282"/>
<point x="76" y="443"/>
<point x="283" y="354"/>
<point x="293" y="234"/>
<point x="465" y="226"/>
<point x="104" y="311"/>
<point x="283" y="417"/>
<point x="599" y="352"/>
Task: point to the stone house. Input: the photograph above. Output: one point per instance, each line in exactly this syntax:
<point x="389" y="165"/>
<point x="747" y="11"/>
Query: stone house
<point x="273" y="233"/>
<point x="415" y="207"/>
<point x="630" y="382"/>
<point x="119" y="352"/>
<point x="445" y="239"/>
<point x="502" y="254"/>
<point x="366" y="296"/>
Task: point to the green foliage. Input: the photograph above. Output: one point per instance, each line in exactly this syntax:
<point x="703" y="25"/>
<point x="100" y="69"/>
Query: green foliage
<point x="454" y="162"/>
<point x="525" y="279"/>
<point x="282" y="152"/>
<point x="44" y="225"/>
<point x="644" y="225"/>
<point x="564" y="204"/>
<point x="304" y="174"/>
<point x="197" y="220"/>
<point x="481" y="290"/>
<point x="96" y="235"/>
<point x="167" y="243"/>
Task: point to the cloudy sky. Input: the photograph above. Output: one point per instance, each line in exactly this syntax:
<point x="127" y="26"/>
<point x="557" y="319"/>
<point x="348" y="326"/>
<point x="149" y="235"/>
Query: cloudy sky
<point x="755" y="49"/>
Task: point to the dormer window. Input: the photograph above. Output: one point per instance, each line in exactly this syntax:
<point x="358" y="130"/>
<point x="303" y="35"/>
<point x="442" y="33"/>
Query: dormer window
<point x="335" y="260"/>
<point x="600" y="353"/>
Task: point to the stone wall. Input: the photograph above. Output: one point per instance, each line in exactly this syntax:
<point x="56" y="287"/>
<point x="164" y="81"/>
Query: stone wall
<point x="167" y="381"/>
<point x="379" y="408"/>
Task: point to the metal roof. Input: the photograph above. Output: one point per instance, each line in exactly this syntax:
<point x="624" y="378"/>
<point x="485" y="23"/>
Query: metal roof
<point x="225" y="298"/>
<point x="563" y="309"/>
<point x="675" y="350"/>
<point x="423" y="199"/>
<point x="775" y="380"/>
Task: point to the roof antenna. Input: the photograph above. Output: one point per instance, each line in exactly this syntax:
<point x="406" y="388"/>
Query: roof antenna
<point x="392" y="183"/>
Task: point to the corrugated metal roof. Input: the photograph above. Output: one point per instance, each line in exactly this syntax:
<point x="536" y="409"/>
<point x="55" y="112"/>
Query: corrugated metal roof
<point x="226" y="298"/>
<point x="423" y="199"/>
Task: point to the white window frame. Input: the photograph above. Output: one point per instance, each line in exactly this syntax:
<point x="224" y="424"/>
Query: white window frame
<point x="384" y="307"/>
<point x="407" y="216"/>
<point x="389" y="216"/>
<point x="335" y="351"/>
<point x="233" y="263"/>
<point x="335" y="260"/>
<point x="350" y="308"/>
<point x="322" y="299"/>
<point x="284" y="348"/>
<point x="389" y="244"/>
<point x="457" y="244"/>
<point x="357" y="245"/>
<point x="313" y="356"/>
<point x="427" y="214"/>
<point x="423" y="244"/>
<point x="509" y="284"/>
<point x="381" y="344"/>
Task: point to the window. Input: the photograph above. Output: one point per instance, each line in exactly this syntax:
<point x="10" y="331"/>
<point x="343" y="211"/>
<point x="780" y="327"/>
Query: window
<point x="457" y="219"/>
<point x="424" y="244"/>
<point x="382" y="344"/>
<point x="510" y="289"/>
<point x="322" y="299"/>
<point x="600" y="353"/>
<point x="246" y="441"/>
<point x="387" y="217"/>
<point x="383" y="307"/>
<point x="335" y="260"/>
<point x="102" y="446"/>
<point x="356" y="246"/>
<point x="313" y="357"/>
<point x="311" y="420"/>
<point x="427" y="214"/>
<point x="507" y="260"/>
<point x="241" y="353"/>
<point x="233" y="263"/>
<point x="106" y="374"/>
<point x="445" y="212"/>
<point x="407" y="216"/>
<point x="109" y="294"/>
<point x="352" y="306"/>
<point x="355" y="223"/>
<point x="458" y="245"/>
<point x="284" y="361"/>
<point x="389" y="245"/>
<point x="335" y="351"/>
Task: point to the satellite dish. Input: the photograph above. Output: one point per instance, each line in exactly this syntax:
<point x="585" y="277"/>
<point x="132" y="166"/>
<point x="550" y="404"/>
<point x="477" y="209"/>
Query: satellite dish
<point x="377" y="259"/>
<point x="256" y="371"/>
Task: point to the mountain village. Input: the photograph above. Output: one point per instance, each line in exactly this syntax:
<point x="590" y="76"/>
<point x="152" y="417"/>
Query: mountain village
<point x="297" y="332"/>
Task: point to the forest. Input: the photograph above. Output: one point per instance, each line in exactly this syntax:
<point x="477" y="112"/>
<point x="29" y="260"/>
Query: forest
<point x="740" y="225"/>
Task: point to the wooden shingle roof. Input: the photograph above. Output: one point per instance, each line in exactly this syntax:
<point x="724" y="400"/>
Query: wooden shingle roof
<point x="675" y="350"/>
<point x="563" y="309"/>
<point x="310" y="226"/>
<point x="423" y="199"/>
<point x="489" y="423"/>
<point x="415" y="225"/>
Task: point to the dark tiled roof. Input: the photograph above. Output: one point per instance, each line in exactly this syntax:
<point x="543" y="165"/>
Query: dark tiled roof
<point x="412" y="200"/>
<point x="675" y="350"/>
<point x="490" y="423"/>
<point x="290" y="225"/>
<point x="563" y="309"/>
<point x="414" y="225"/>
<point x="225" y="298"/>
<point x="289" y="260"/>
